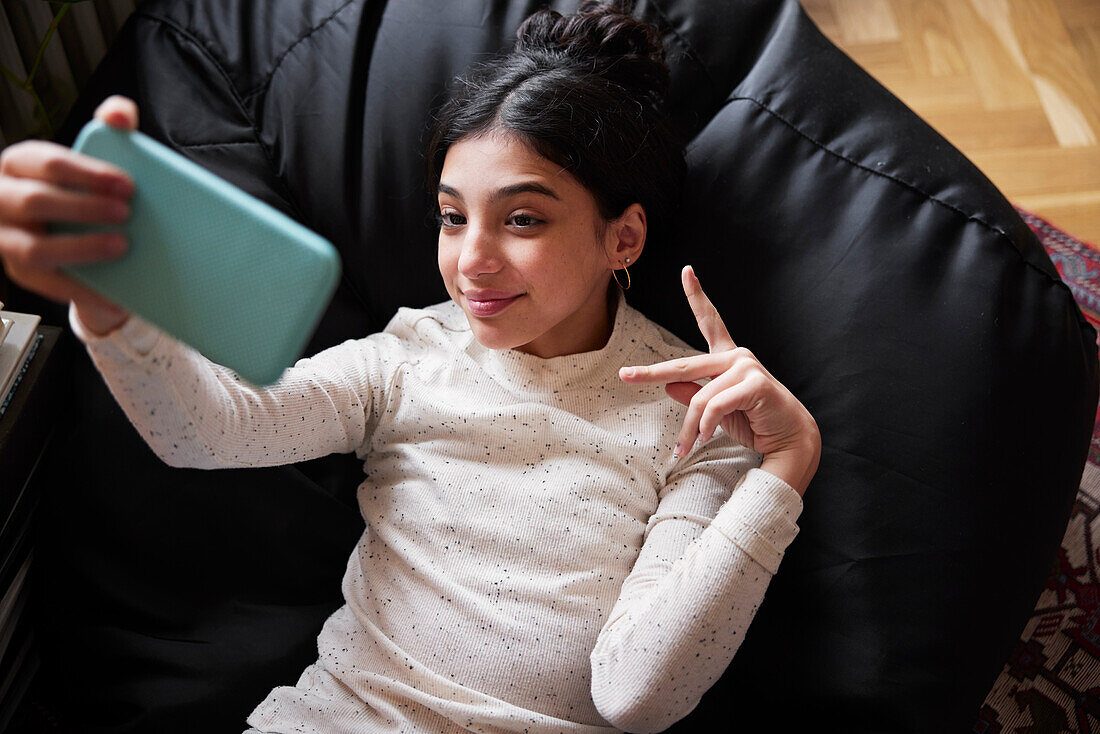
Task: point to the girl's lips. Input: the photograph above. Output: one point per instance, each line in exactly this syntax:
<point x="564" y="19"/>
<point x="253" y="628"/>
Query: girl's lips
<point x="489" y="306"/>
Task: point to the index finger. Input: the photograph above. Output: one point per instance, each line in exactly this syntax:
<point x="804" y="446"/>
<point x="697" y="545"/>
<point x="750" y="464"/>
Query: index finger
<point x="46" y="161"/>
<point x="681" y="369"/>
<point x="706" y="315"/>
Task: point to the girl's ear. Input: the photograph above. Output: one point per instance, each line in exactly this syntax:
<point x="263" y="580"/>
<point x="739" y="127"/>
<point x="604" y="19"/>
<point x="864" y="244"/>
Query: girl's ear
<point x="626" y="237"/>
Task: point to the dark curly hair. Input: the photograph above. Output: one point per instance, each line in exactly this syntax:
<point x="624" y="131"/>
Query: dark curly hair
<point x="586" y="91"/>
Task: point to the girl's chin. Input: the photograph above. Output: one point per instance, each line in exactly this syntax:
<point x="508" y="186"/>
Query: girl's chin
<point x="491" y="339"/>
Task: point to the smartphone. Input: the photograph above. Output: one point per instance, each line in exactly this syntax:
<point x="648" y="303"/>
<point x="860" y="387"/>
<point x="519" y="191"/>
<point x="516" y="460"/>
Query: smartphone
<point x="218" y="269"/>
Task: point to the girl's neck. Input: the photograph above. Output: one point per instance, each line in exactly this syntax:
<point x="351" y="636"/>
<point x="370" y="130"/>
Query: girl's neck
<point x="588" y="333"/>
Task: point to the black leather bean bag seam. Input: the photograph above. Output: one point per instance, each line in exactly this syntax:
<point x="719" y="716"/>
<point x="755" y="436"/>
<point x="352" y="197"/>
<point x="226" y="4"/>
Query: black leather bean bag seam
<point x="667" y="25"/>
<point x="188" y="35"/>
<point x="1018" y="248"/>
<point x="262" y="86"/>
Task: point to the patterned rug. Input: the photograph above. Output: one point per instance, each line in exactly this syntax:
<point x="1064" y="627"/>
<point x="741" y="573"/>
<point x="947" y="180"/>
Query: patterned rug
<point x="1051" y="683"/>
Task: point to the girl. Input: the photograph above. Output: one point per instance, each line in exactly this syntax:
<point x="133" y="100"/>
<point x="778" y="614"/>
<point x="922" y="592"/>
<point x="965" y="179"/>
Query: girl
<point x="551" y="545"/>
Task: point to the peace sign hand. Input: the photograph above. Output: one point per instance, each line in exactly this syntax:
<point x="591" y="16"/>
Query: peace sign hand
<point x="742" y="397"/>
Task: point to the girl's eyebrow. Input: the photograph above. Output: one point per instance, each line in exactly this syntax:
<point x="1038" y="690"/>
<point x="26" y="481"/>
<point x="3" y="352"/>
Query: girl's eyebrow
<point x="525" y="187"/>
<point x="445" y="189"/>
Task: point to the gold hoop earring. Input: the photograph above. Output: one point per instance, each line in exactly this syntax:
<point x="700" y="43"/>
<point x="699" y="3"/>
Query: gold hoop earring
<point x="615" y="274"/>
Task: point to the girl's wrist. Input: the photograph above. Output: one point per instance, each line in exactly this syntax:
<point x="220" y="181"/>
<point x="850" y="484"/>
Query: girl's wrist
<point x="99" y="321"/>
<point x="796" y="467"/>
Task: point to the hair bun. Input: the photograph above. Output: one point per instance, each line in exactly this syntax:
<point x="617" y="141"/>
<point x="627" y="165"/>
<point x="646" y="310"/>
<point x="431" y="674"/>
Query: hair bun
<point x="603" y="36"/>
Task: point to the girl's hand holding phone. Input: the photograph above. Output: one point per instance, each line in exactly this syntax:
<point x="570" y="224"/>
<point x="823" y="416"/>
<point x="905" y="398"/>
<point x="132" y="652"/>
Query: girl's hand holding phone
<point x="742" y="397"/>
<point x="43" y="182"/>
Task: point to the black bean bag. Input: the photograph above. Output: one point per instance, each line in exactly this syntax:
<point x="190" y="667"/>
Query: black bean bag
<point x="867" y="263"/>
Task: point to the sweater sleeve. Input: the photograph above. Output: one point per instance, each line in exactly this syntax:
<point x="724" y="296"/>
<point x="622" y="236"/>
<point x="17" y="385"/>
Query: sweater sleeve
<point x="195" y="413"/>
<point x="684" y="608"/>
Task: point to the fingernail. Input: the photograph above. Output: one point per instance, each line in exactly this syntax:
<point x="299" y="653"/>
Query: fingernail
<point x="676" y="451"/>
<point x="627" y="372"/>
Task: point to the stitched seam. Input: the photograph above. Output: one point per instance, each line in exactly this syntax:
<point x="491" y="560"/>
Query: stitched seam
<point x="279" y="59"/>
<point x="188" y="35"/>
<point x="687" y="47"/>
<point x="969" y="217"/>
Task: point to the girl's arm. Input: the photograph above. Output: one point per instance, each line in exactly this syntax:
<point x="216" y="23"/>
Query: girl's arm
<point x="695" y="588"/>
<point x="195" y="413"/>
<point x="684" y="609"/>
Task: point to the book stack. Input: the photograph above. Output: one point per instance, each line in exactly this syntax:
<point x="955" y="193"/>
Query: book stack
<point x="20" y="338"/>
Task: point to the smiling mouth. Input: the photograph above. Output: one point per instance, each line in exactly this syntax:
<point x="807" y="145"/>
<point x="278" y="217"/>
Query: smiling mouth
<point x="490" y="306"/>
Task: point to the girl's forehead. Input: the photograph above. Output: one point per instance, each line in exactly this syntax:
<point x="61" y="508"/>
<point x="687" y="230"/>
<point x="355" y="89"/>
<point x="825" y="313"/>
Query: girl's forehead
<point x="495" y="151"/>
<point x="482" y="165"/>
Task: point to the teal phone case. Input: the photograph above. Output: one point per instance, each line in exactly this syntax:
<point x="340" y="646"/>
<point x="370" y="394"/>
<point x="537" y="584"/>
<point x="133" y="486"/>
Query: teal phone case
<point x="214" y="267"/>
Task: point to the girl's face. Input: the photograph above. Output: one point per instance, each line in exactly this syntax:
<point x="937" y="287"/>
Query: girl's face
<point x="523" y="248"/>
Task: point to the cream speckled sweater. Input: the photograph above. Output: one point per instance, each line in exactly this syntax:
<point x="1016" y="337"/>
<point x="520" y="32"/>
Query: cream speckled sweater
<point x="534" y="558"/>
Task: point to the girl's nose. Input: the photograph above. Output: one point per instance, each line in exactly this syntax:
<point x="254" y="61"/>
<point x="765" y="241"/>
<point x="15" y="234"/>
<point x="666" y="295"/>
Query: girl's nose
<point x="480" y="255"/>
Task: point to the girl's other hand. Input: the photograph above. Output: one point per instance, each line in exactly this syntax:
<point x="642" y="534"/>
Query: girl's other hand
<point x="742" y="397"/>
<point x="43" y="182"/>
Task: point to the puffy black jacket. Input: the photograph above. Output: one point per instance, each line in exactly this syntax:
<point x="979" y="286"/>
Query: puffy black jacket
<point x="866" y="262"/>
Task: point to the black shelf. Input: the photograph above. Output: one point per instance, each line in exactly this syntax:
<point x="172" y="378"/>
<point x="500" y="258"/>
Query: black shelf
<point x="26" y="428"/>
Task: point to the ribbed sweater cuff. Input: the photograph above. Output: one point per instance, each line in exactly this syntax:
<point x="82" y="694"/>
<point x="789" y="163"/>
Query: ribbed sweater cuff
<point x="760" y="517"/>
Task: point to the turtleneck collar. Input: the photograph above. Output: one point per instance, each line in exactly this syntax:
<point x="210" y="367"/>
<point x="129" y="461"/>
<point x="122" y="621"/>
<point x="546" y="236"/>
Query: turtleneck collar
<point x="522" y="372"/>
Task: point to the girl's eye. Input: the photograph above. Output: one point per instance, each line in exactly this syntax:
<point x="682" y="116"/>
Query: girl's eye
<point x="451" y="219"/>
<point x="524" y="221"/>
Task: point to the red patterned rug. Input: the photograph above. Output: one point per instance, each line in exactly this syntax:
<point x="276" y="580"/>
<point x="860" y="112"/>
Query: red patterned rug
<point x="1051" y="683"/>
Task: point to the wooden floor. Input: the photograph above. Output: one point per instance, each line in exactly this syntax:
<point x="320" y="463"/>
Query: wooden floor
<point x="1013" y="84"/>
